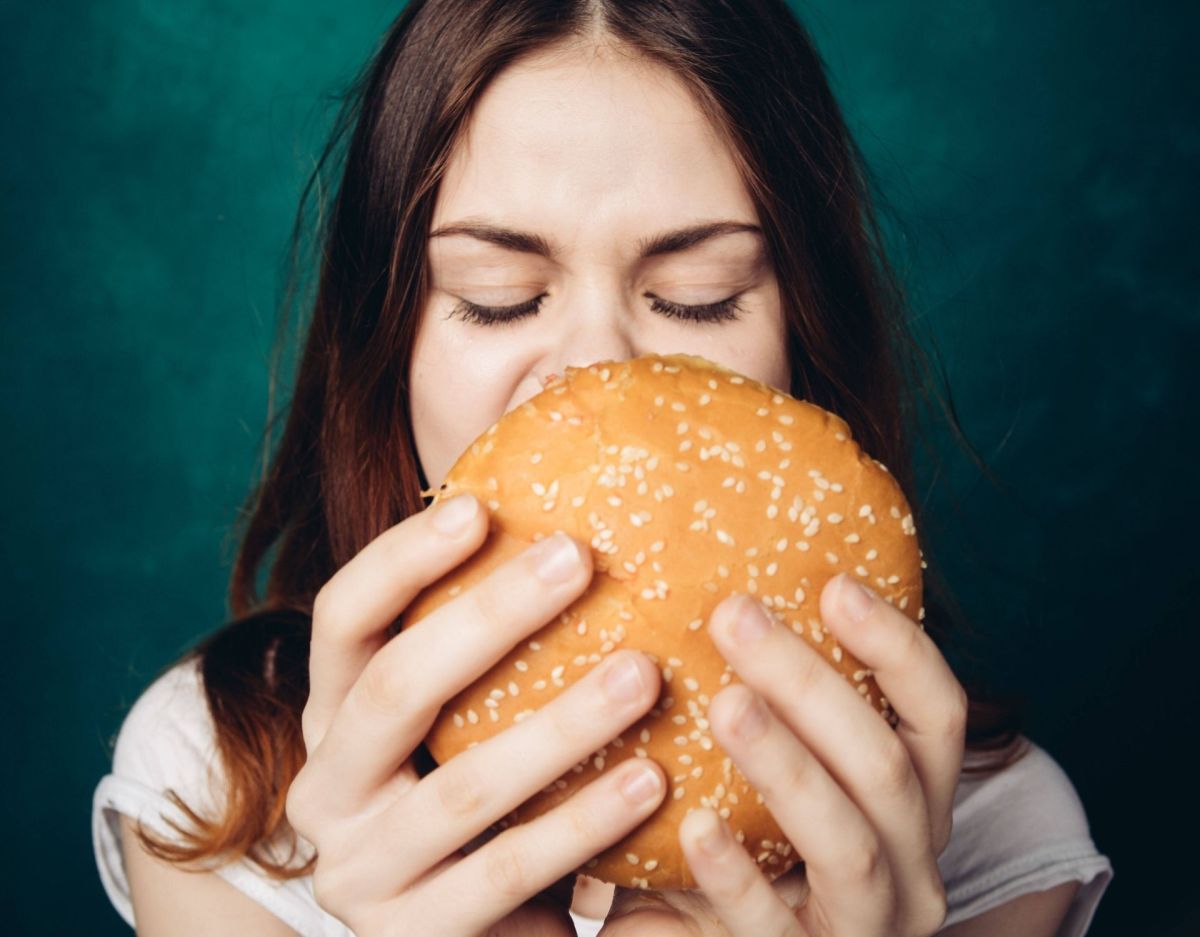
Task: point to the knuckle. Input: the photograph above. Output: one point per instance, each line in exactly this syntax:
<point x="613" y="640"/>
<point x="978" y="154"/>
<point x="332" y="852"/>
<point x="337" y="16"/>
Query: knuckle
<point x="330" y="887"/>
<point x="934" y="907"/>
<point x="738" y="887"/>
<point x="460" y="791"/>
<point x="490" y="603"/>
<point x="942" y="828"/>
<point x="508" y="870"/>
<point x="913" y="644"/>
<point x="797" y="772"/>
<point x="956" y="717"/>
<point x="298" y="806"/>
<point x="564" y="724"/>
<point x="894" y="770"/>
<point x="809" y="672"/>
<point x="583" y="826"/>
<point x="928" y="912"/>
<point x="324" y="607"/>
<point x="386" y="689"/>
<point x="308" y="728"/>
<point x="863" y="860"/>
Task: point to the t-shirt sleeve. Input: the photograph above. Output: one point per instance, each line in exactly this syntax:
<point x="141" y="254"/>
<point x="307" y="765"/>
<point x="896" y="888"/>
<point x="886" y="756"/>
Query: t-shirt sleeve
<point x="167" y="743"/>
<point x="1019" y="831"/>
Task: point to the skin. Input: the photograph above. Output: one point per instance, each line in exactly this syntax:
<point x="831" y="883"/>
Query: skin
<point x="587" y="148"/>
<point x="559" y="132"/>
<point x="549" y="150"/>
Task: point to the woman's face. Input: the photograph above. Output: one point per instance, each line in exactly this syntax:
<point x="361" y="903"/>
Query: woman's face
<point x="592" y="156"/>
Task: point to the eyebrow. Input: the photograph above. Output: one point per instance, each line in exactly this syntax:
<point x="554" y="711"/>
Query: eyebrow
<point x="668" y="242"/>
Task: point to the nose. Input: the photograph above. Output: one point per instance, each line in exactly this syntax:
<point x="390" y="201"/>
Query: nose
<point x="598" y="327"/>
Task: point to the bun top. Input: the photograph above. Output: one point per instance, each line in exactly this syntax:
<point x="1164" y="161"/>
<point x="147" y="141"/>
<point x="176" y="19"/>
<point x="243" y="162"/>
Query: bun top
<point x="690" y="482"/>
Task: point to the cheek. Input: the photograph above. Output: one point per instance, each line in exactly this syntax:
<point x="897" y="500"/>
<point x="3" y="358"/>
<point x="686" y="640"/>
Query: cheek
<point x="458" y="389"/>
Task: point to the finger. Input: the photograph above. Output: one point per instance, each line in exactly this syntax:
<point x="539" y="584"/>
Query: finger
<point x="523" y="860"/>
<point x="390" y="708"/>
<point x="481" y="785"/>
<point x="846" y="863"/>
<point x="858" y="748"/>
<point x="354" y="608"/>
<point x="916" y="679"/>
<point x="740" y="896"/>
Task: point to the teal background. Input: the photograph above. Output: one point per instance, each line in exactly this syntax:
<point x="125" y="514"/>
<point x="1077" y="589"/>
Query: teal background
<point x="1043" y="158"/>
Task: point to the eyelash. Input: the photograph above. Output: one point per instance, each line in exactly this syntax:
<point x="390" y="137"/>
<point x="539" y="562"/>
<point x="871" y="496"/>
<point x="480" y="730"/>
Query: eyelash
<point x="724" y="311"/>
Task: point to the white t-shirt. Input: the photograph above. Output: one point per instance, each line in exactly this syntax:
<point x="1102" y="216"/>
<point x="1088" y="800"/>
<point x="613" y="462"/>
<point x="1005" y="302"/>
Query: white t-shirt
<point x="1021" y="830"/>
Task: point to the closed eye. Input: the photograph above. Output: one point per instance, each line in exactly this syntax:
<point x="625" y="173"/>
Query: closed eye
<point x="726" y="310"/>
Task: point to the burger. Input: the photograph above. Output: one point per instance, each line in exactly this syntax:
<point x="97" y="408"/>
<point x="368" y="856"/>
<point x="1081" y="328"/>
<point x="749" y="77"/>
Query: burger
<point x="689" y="482"/>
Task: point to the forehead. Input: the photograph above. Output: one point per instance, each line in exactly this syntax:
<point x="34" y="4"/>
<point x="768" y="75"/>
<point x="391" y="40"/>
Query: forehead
<point x="584" y="142"/>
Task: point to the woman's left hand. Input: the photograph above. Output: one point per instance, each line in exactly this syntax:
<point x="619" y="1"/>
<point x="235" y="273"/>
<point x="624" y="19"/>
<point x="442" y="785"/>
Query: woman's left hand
<point x="868" y="807"/>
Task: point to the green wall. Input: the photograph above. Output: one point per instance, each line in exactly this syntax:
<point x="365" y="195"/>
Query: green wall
<point x="1043" y="158"/>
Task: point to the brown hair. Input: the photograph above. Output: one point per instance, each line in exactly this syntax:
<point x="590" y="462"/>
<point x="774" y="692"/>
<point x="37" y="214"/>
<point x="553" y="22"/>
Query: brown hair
<point x="345" y="468"/>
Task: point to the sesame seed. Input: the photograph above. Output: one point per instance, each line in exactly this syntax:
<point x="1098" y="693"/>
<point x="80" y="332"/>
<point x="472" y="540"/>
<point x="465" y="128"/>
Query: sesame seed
<point x="472" y="717"/>
<point x="459" y="722"/>
<point x="631" y="858"/>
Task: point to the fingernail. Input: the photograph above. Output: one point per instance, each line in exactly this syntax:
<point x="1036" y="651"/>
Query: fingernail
<point x="711" y="839"/>
<point x="641" y="785"/>
<point x="751" y="624"/>
<point x="751" y="722"/>
<point x="556" y="558"/>
<point x="856" y="600"/>
<point x="454" y="515"/>
<point x="623" y="682"/>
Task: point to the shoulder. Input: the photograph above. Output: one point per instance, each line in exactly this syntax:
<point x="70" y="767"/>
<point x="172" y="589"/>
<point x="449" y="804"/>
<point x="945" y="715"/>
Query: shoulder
<point x="167" y="743"/>
<point x="167" y="740"/>
<point x="1018" y="831"/>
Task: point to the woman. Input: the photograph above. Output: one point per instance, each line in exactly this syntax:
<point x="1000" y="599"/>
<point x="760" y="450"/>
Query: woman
<point x="529" y="186"/>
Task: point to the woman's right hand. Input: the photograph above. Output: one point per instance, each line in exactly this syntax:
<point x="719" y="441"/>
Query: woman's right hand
<point x="390" y="844"/>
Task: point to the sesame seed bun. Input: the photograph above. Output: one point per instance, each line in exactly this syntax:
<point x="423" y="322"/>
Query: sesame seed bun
<point x="690" y="482"/>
